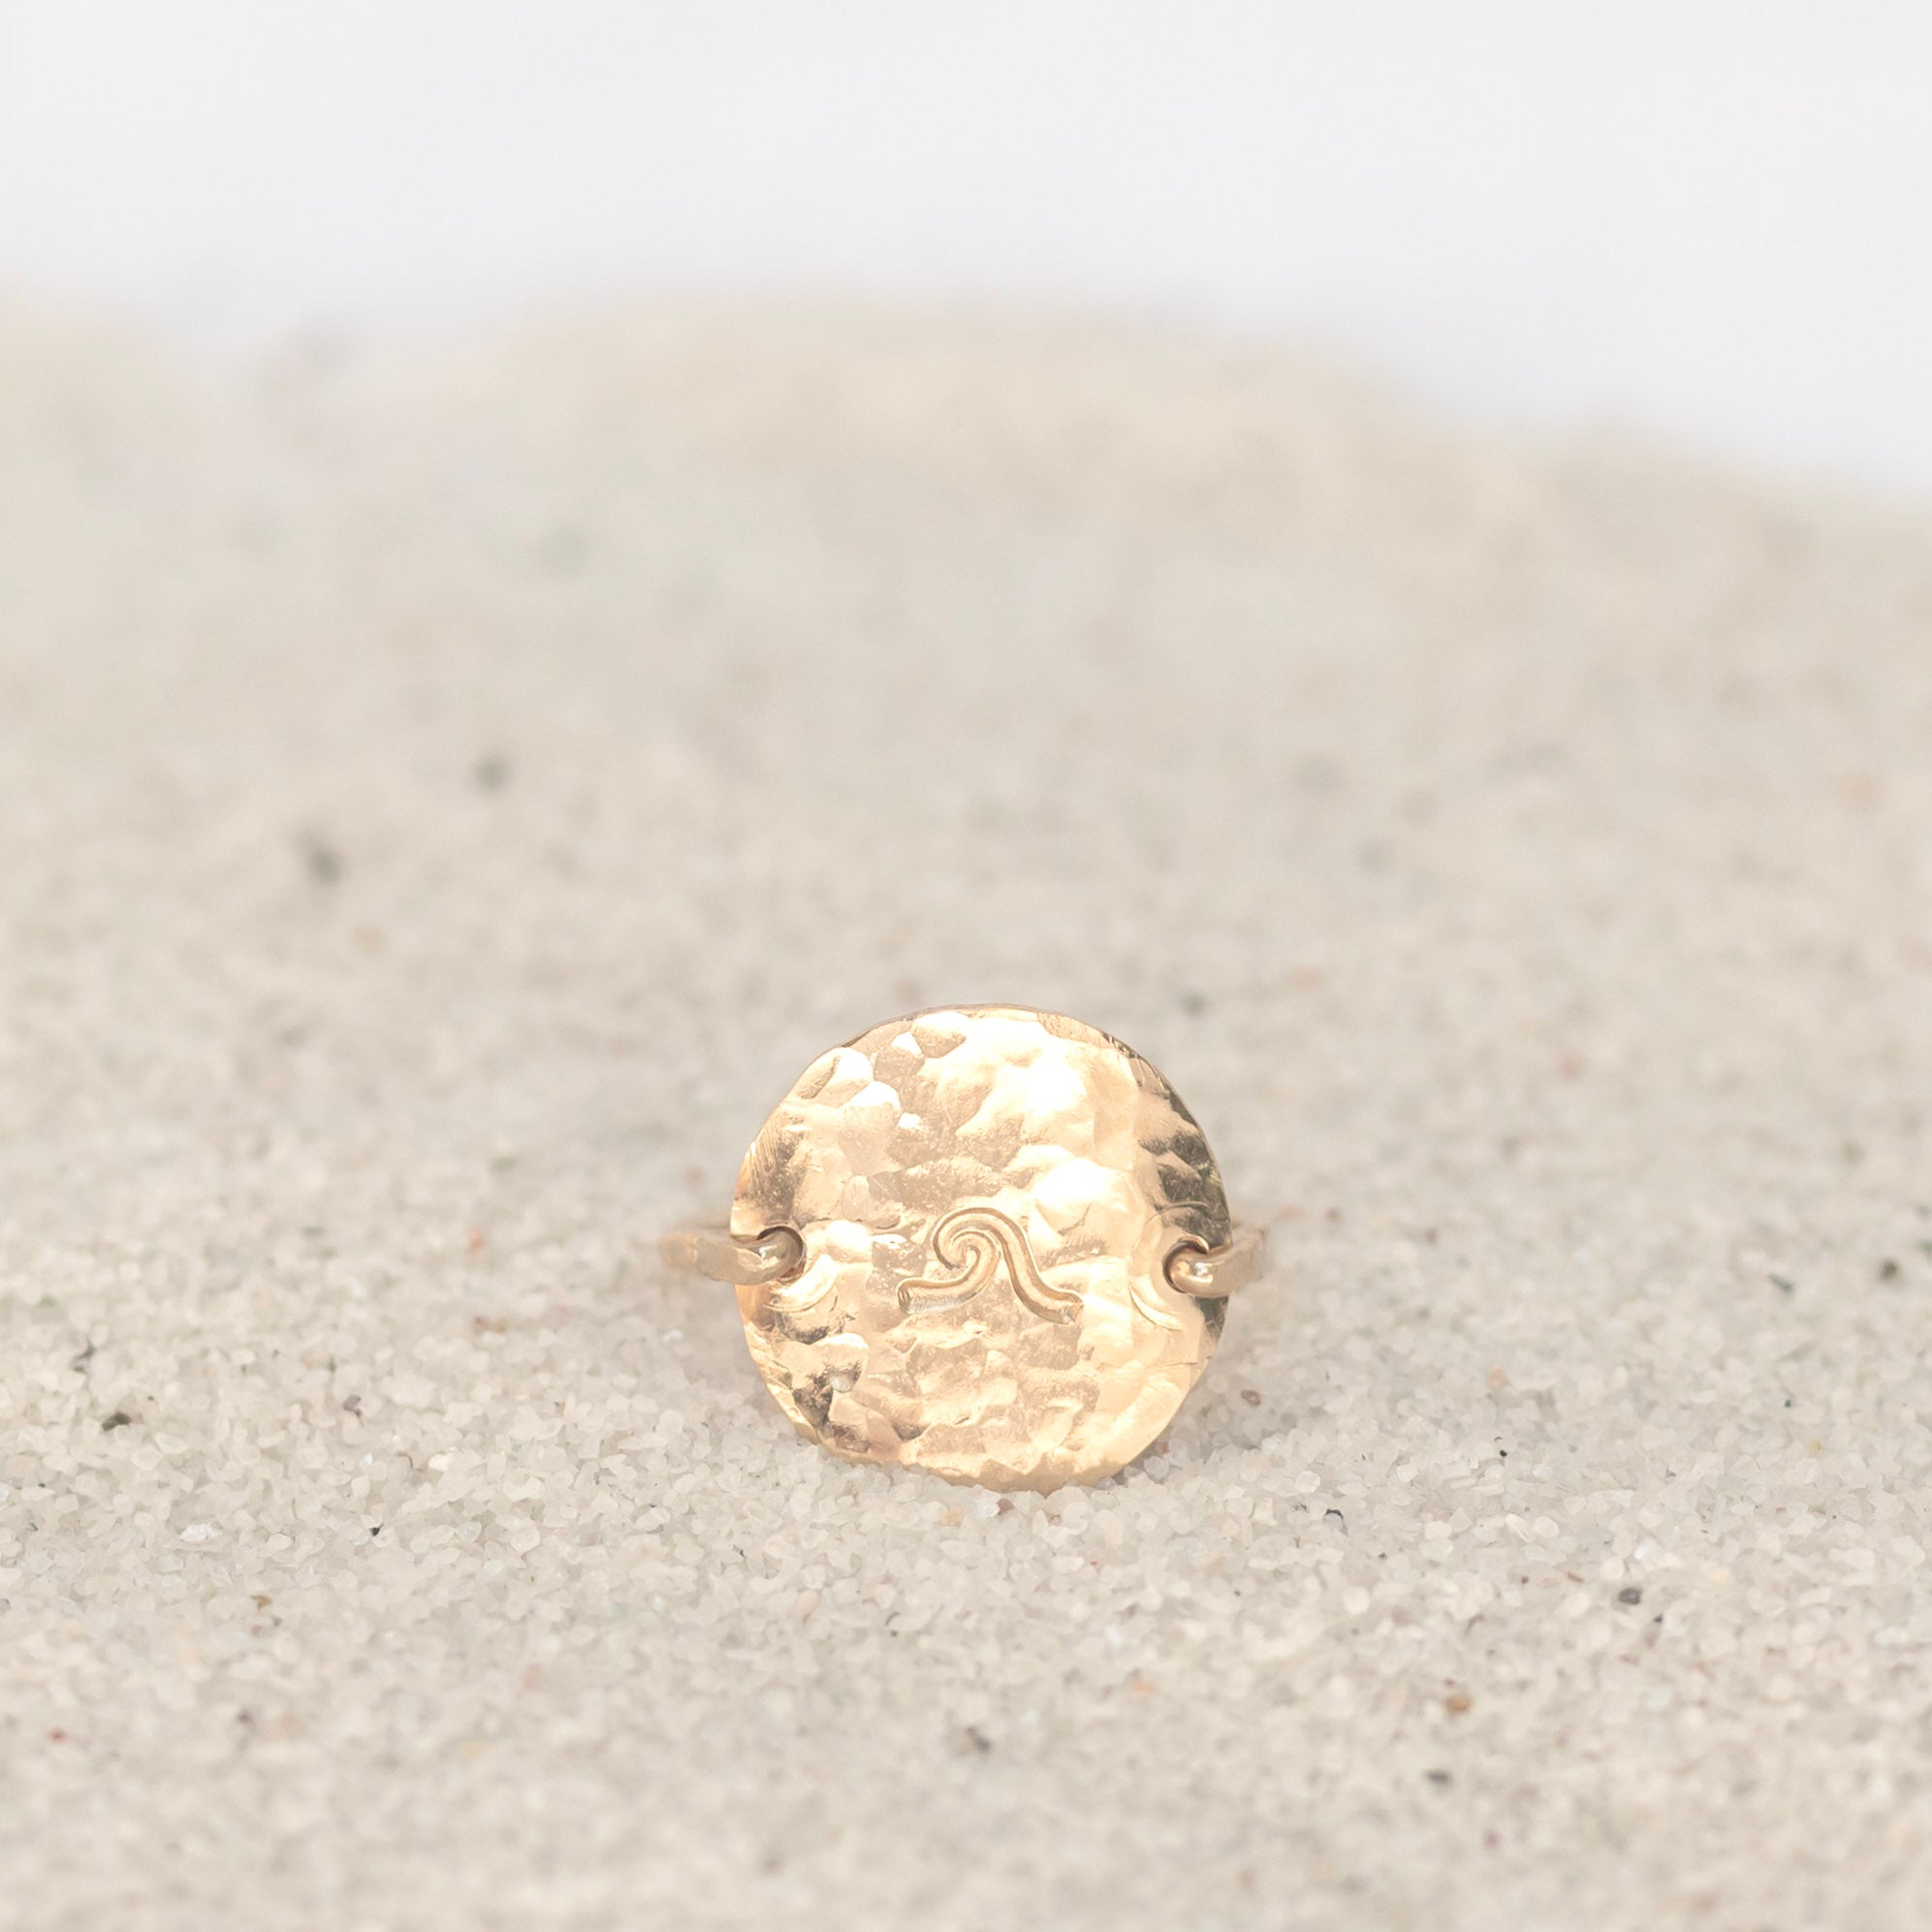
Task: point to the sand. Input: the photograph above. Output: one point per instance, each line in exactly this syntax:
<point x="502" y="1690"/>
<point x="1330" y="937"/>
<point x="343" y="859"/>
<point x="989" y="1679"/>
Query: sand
<point x="447" y="793"/>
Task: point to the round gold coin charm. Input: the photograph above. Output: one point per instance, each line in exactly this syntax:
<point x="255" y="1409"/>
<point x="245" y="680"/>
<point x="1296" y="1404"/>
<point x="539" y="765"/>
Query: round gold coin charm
<point x="986" y="1241"/>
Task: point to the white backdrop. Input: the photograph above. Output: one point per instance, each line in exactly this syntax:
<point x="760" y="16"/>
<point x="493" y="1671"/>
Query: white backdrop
<point x="1701" y="217"/>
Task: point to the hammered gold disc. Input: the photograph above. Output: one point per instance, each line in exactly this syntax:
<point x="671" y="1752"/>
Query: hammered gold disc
<point x="987" y="1199"/>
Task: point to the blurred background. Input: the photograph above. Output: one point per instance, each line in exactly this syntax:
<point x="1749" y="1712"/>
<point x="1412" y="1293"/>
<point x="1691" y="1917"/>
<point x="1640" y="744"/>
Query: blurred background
<point x="1703" y="220"/>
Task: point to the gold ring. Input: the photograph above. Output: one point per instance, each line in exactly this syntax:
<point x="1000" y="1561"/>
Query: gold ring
<point x="982" y="1241"/>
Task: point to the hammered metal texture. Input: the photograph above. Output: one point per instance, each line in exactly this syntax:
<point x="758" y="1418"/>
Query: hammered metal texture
<point x="987" y="1199"/>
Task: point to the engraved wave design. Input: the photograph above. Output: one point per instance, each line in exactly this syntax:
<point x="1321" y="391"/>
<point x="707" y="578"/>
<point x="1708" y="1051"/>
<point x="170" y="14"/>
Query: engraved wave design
<point x="972" y="1243"/>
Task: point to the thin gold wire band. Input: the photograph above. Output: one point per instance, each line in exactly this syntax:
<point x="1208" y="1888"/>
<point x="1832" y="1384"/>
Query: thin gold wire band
<point x="776" y="1257"/>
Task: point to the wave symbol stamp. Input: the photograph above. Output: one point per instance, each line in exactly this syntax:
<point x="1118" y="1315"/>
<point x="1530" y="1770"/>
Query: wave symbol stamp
<point x="971" y="1244"/>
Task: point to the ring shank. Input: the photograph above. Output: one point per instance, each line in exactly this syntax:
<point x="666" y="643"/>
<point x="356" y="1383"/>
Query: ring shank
<point x="1211" y="1274"/>
<point x="718" y="1254"/>
<point x="776" y="1255"/>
